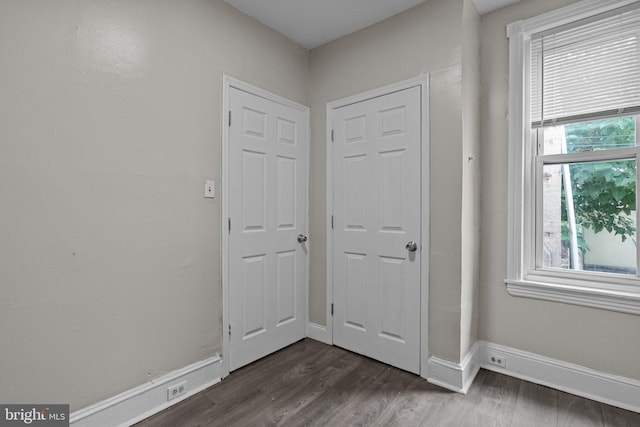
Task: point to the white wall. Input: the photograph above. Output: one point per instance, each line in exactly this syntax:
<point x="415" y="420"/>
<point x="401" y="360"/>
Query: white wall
<point x="109" y="124"/>
<point x="608" y="249"/>
<point x="425" y="39"/>
<point x="598" y="339"/>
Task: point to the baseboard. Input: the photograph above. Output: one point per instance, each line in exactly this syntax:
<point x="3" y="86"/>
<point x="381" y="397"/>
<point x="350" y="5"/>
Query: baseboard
<point x="453" y="376"/>
<point x="141" y="402"/>
<point x="575" y="379"/>
<point x="317" y="332"/>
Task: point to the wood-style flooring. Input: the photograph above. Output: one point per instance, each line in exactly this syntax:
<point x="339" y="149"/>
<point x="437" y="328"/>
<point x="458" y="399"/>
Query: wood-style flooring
<point x="314" y="384"/>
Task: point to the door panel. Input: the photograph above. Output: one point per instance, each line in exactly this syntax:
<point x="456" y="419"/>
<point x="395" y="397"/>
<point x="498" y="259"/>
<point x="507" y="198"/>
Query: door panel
<point x="377" y="202"/>
<point x="267" y="207"/>
<point x="286" y="284"/>
<point x="286" y="193"/>
<point x="355" y="305"/>
<point x="254" y="179"/>
<point x="253" y="286"/>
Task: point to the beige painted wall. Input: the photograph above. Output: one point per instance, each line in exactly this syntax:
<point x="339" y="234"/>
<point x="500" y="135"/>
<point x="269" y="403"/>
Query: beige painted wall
<point x="470" y="177"/>
<point x="425" y="39"/>
<point x="597" y="339"/>
<point x="109" y="124"/>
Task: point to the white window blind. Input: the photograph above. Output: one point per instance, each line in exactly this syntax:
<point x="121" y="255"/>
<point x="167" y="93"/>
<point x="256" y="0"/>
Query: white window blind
<point x="587" y="69"/>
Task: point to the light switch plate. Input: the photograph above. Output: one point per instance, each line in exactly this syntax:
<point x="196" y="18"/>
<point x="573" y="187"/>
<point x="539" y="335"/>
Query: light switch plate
<point x="209" y="189"/>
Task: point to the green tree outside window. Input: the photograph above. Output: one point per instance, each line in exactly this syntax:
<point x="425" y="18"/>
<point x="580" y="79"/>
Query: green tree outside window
<point x="604" y="193"/>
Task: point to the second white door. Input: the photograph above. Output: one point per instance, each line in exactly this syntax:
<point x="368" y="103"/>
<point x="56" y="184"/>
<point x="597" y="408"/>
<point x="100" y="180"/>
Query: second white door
<point x="377" y="248"/>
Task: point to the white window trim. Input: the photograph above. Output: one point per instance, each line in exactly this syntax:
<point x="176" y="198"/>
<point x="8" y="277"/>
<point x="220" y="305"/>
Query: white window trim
<point x="571" y="288"/>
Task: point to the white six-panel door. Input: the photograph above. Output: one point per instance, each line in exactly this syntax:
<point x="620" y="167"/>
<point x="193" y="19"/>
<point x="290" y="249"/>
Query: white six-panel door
<point x="377" y="205"/>
<point x="267" y="213"/>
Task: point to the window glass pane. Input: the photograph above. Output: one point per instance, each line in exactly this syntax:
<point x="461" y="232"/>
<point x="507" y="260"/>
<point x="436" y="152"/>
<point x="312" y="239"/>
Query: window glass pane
<point x="589" y="218"/>
<point x="594" y="135"/>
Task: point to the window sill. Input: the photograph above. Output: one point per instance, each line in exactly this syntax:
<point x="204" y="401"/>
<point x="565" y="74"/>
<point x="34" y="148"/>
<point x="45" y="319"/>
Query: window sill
<point x="624" y="302"/>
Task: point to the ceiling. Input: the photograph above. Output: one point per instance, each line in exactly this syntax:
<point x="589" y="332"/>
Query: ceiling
<point x="312" y="23"/>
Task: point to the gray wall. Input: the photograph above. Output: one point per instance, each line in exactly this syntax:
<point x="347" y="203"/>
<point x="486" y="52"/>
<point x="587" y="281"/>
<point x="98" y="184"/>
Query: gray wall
<point x="470" y="177"/>
<point x="597" y="339"/>
<point x="109" y="124"/>
<point x="425" y="39"/>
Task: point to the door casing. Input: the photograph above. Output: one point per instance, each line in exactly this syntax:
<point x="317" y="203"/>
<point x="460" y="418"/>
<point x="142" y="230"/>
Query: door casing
<point x="423" y="83"/>
<point x="228" y="82"/>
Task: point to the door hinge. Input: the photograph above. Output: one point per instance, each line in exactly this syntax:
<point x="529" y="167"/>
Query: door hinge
<point x="229" y="224"/>
<point x="229" y="118"/>
<point x="332" y="222"/>
<point x="332" y="309"/>
<point x="332" y="140"/>
<point x="229" y="330"/>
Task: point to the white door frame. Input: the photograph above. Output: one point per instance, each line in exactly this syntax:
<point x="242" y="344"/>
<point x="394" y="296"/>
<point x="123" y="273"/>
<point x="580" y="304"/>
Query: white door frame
<point x="227" y="83"/>
<point x="423" y="82"/>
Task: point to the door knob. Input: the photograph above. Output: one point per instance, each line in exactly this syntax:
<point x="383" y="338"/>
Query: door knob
<point x="412" y="246"/>
<point x="302" y="238"/>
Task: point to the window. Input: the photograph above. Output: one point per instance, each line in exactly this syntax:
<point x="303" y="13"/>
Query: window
<point x="574" y="136"/>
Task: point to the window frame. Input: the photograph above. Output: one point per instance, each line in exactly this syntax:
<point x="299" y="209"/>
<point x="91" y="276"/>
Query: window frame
<point x="609" y="291"/>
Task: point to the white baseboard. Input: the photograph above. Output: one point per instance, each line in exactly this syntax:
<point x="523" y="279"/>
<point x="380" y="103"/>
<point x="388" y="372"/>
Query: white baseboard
<point x="141" y="402"/>
<point x="453" y="376"/>
<point x="317" y="332"/>
<point x="575" y="379"/>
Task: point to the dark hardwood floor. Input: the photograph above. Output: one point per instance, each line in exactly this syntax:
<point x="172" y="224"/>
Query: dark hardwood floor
<point x="313" y="384"/>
